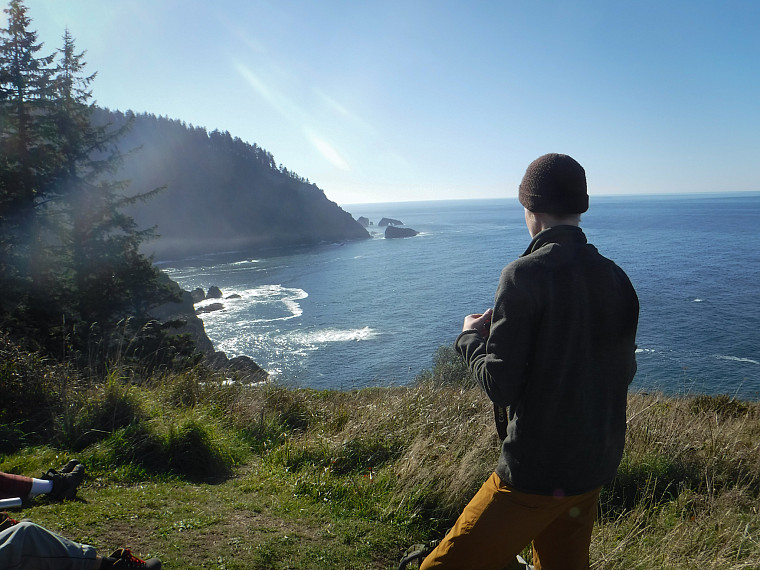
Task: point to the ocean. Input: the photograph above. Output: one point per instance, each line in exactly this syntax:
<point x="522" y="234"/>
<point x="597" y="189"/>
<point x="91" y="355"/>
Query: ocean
<point x="374" y="312"/>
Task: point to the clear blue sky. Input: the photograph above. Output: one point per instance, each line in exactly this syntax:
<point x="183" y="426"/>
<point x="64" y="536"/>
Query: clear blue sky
<point x="412" y="100"/>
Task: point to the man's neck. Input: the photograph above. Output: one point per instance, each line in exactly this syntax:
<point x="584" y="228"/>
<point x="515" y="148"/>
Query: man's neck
<point x="540" y="221"/>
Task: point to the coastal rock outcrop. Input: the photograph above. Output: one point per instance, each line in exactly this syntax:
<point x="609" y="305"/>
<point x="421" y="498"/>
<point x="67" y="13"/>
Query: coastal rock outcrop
<point x="182" y="311"/>
<point x="396" y="232"/>
<point x="390" y="222"/>
<point x="198" y="295"/>
<point x="214" y="293"/>
<point x="365" y="222"/>
<point x="243" y="367"/>
<point x="210" y="308"/>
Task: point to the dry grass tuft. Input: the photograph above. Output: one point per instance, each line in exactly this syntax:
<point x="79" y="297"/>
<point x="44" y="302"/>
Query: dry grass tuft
<point x="686" y="495"/>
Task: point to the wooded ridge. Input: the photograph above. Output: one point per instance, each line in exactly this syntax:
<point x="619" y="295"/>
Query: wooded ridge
<point x="220" y="193"/>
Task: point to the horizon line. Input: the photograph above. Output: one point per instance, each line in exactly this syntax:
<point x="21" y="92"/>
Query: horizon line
<point x="601" y="195"/>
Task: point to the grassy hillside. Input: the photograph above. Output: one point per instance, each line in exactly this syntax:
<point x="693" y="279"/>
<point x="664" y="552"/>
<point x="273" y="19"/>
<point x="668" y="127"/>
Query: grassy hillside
<point x="208" y="474"/>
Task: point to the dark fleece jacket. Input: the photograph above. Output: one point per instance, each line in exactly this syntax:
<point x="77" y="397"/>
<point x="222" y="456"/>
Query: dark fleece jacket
<point x="560" y="356"/>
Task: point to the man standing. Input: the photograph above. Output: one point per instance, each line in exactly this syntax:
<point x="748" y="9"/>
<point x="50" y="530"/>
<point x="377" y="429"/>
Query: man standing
<point x="556" y="354"/>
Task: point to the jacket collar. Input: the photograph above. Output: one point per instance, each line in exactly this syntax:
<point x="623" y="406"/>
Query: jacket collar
<point x="556" y="234"/>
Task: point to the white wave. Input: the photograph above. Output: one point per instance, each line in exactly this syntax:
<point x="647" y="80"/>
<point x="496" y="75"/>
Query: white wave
<point x="697" y="300"/>
<point x="267" y="303"/>
<point x="333" y="335"/>
<point x="287" y="296"/>
<point x="244" y="262"/>
<point x="272" y="292"/>
<point x="737" y="359"/>
<point x="640" y="350"/>
<point x="206" y="302"/>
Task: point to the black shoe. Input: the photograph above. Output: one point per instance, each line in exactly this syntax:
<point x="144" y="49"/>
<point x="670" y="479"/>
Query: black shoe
<point x="124" y="559"/>
<point x="69" y="467"/>
<point x="65" y="484"/>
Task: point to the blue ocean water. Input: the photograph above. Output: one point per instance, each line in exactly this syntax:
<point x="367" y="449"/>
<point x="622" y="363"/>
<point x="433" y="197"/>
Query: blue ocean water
<point x="374" y="312"/>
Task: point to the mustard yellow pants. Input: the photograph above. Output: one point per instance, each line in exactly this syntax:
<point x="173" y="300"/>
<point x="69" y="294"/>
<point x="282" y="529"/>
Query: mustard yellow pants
<point x="499" y="522"/>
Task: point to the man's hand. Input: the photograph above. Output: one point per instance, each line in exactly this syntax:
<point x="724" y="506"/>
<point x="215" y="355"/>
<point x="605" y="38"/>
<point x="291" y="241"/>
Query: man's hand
<point x="479" y="322"/>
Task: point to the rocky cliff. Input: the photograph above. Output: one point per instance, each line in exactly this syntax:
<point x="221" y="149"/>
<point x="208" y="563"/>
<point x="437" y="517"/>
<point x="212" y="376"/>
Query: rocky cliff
<point x="242" y="368"/>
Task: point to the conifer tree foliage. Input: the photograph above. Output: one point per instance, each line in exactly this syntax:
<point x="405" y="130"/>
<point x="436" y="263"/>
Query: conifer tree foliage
<point x="69" y="254"/>
<point x="25" y="79"/>
<point x="110" y="276"/>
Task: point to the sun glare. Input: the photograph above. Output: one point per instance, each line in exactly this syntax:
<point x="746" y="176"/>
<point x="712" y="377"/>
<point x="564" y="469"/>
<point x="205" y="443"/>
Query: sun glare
<point x="328" y="151"/>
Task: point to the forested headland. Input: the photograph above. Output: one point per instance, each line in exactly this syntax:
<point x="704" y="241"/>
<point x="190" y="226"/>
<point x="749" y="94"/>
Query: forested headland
<point x="221" y="193"/>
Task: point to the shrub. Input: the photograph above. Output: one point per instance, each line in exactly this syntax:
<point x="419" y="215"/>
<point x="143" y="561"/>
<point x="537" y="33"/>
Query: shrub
<point x="193" y="449"/>
<point x="34" y="394"/>
<point x="449" y="369"/>
<point x="722" y="405"/>
<point x="183" y="389"/>
<point x="138" y="444"/>
<point x="289" y="408"/>
<point x="110" y="407"/>
<point x="195" y="452"/>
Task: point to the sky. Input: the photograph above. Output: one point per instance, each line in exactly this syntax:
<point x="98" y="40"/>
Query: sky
<point x="386" y="100"/>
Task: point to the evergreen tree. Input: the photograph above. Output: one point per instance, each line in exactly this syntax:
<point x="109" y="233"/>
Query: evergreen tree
<point x="25" y="145"/>
<point x="25" y="84"/>
<point x="111" y="279"/>
<point x="61" y="208"/>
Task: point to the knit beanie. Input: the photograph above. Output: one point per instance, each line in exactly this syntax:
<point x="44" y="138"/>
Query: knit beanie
<point x="554" y="184"/>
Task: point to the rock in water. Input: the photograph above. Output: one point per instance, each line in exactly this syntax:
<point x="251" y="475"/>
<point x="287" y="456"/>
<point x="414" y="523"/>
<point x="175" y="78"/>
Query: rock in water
<point x="210" y="308"/>
<point x="396" y="232"/>
<point x="390" y="222"/>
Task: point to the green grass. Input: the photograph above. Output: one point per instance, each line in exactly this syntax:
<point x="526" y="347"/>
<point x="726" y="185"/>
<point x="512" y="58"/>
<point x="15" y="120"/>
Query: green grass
<point x="204" y="474"/>
<point x="261" y="517"/>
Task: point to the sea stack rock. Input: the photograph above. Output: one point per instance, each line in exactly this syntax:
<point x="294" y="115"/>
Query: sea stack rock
<point x="395" y="232"/>
<point x="364" y="221"/>
<point x="390" y="222"/>
<point x="214" y="293"/>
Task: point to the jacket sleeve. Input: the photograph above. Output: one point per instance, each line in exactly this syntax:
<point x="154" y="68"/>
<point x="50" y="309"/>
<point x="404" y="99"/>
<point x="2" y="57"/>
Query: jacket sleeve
<point x="500" y="363"/>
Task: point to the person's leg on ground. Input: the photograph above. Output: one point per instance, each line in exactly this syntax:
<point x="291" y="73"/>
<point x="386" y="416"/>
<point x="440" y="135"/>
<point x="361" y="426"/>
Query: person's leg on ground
<point x="564" y="544"/>
<point x="493" y="528"/>
<point x="32" y="547"/>
<point x="14" y="486"/>
<point x="60" y="484"/>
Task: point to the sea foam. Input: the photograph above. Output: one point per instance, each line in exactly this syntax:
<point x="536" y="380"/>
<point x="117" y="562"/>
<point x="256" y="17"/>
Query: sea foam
<point x="737" y="359"/>
<point x="332" y="335"/>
